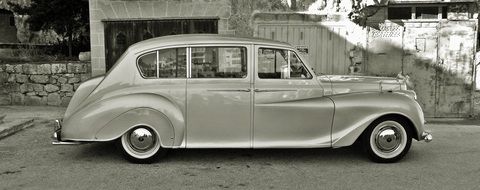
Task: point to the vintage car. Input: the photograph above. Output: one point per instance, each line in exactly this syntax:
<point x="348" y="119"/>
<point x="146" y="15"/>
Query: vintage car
<point x="214" y="91"/>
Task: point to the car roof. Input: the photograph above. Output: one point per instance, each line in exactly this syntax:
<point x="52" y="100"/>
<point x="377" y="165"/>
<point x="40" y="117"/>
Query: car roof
<point x="187" y="39"/>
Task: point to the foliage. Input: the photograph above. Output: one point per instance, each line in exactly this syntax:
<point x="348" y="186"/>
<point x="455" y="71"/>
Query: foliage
<point x="68" y="18"/>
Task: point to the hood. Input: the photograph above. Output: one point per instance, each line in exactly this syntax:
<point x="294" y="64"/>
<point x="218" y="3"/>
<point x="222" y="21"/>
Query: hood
<point x="351" y="83"/>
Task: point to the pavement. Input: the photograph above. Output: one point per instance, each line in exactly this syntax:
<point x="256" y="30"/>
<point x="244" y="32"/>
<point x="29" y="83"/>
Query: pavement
<point x="29" y="161"/>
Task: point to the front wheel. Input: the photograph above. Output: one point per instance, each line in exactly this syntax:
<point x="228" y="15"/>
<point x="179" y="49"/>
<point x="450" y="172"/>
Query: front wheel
<point x="141" y="145"/>
<point x="387" y="140"/>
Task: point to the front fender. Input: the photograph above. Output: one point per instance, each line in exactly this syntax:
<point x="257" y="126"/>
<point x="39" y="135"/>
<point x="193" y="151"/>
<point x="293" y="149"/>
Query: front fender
<point x="85" y="124"/>
<point x="354" y="112"/>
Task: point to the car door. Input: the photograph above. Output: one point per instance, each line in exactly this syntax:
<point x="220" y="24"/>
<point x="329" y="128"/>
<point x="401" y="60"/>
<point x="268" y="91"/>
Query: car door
<point x="219" y="97"/>
<point x="289" y="107"/>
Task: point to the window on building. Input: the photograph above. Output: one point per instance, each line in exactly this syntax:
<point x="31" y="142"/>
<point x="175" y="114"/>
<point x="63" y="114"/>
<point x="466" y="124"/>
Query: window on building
<point x="426" y="12"/>
<point x="399" y="13"/>
<point x="219" y="62"/>
<point x="280" y="64"/>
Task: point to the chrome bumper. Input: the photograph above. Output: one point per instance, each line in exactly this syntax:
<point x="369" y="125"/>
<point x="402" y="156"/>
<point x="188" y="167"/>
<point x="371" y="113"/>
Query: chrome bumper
<point x="56" y="136"/>
<point x="427" y="136"/>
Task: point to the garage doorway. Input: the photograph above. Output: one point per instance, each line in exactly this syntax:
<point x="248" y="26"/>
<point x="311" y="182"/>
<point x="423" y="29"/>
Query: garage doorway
<point x="119" y="35"/>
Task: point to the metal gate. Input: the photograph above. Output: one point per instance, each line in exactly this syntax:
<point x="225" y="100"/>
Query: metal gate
<point x="325" y="47"/>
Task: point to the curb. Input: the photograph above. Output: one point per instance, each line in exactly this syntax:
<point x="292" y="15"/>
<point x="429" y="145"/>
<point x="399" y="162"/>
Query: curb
<point x="10" y="128"/>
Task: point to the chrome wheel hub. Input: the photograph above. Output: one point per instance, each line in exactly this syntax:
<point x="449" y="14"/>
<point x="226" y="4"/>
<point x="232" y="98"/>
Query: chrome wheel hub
<point x="388" y="138"/>
<point x="142" y="139"/>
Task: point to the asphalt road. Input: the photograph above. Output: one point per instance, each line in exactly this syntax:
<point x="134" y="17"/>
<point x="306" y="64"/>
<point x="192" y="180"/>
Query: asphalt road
<point x="450" y="161"/>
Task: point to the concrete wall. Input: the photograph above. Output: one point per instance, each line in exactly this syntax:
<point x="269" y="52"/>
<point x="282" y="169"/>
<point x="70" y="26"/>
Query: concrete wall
<point x="41" y="83"/>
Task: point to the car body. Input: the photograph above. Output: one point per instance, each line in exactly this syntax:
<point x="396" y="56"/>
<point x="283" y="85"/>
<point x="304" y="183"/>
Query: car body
<point x="214" y="91"/>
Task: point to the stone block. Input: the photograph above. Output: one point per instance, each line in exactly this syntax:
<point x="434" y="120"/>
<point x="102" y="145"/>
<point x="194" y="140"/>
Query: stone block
<point x="69" y="94"/>
<point x="30" y="69"/>
<point x="146" y="8"/>
<point x="2" y="68"/>
<point x="66" y="88"/>
<point x="37" y="87"/>
<point x="53" y="80"/>
<point x="173" y="9"/>
<point x="75" y="86"/>
<point x="53" y="99"/>
<point x="3" y="77"/>
<point x="224" y="12"/>
<point x="84" y="77"/>
<point x="31" y="93"/>
<point x="34" y="101"/>
<point x="74" y="80"/>
<point x="119" y="9"/>
<point x="160" y="8"/>
<point x="18" y="99"/>
<point x="62" y="80"/>
<point x="59" y="68"/>
<point x="66" y="101"/>
<point x="27" y="87"/>
<point x="13" y="87"/>
<point x="12" y="78"/>
<point x="5" y="100"/>
<point x="43" y="79"/>
<point x="42" y="93"/>
<point x="21" y="78"/>
<point x="133" y="9"/>
<point x="18" y="68"/>
<point x="76" y="68"/>
<point x="69" y="75"/>
<point x="44" y="69"/>
<point x="51" y="88"/>
<point x="9" y="69"/>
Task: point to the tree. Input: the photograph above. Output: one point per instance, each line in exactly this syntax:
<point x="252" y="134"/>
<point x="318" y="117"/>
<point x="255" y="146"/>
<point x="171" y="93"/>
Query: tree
<point x="68" y="18"/>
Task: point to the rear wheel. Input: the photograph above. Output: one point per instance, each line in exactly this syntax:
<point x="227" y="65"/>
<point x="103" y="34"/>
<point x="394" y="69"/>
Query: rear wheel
<point x="141" y="145"/>
<point x="387" y="140"/>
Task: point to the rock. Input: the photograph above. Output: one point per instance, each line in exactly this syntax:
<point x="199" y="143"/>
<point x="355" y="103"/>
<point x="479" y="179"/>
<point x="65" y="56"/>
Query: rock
<point x="21" y="78"/>
<point x="11" y="78"/>
<point x="65" y="101"/>
<point x="30" y="69"/>
<point x="74" y="80"/>
<point x="84" y="77"/>
<point x="39" y="78"/>
<point x="5" y="100"/>
<point x="53" y="80"/>
<point x="84" y="56"/>
<point x="75" y="86"/>
<point x="59" y="68"/>
<point x="51" y="88"/>
<point x="18" y="68"/>
<point x="18" y="99"/>
<point x="34" y="101"/>
<point x="53" y="99"/>
<point x="66" y="88"/>
<point x="13" y="87"/>
<point x="3" y="77"/>
<point x="62" y="80"/>
<point x="42" y="93"/>
<point x="37" y="87"/>
<point x="27" y="87"/>
<point x="76" y="68"/>
<point x="31" y="93"/>
<point x="9" y="69"/>
<point x="69" y="94"/>
<point x="44" y="69"/>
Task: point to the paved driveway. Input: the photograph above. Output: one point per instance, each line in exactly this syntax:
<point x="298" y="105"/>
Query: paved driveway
<point x="451" y="161"/>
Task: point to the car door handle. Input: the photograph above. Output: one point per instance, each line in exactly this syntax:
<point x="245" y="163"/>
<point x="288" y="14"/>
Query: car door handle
<point x="230" y="90"/>
<point x="274" y="90"/>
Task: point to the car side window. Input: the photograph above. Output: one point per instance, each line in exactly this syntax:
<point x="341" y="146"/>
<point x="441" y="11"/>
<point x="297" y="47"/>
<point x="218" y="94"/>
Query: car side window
<point x="280" y="64"/>
<point x="165" y="63"/>
<point x="147" y="64"/>
<point x="219" y="62"/>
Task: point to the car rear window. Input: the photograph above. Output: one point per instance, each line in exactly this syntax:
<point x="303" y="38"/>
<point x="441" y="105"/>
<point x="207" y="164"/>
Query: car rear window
<point x="165" y="63"/>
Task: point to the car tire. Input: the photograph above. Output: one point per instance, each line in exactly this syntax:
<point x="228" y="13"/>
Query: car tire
<point x="141" y="145"/>
<point x="387" y="140"/>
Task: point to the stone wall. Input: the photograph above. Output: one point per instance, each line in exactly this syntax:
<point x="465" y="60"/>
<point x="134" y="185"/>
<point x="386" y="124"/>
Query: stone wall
<point x="41" y="83"/>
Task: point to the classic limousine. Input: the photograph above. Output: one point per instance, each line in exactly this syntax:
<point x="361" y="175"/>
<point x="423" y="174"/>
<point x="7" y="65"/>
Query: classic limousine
<point x="213" y="91"/>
